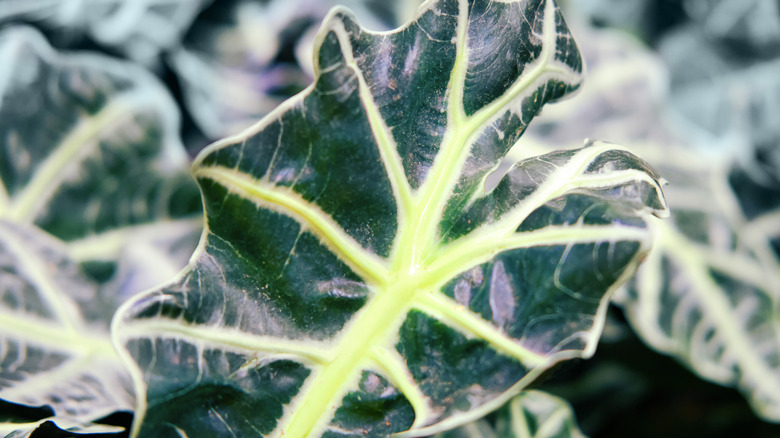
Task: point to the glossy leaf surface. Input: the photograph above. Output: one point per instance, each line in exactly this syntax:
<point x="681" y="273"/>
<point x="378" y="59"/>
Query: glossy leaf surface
<point x="356" y="278"/>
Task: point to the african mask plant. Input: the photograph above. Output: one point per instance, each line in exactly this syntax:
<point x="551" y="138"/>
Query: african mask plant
<point x="95" y="206"/>
<point x="355" y="277"/>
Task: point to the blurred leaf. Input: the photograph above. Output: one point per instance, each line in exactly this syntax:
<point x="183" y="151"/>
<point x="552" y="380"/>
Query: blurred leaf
<point x="90" y="154"/>
<point x="140" y="28"/>
<point x="708" y="293"/>
<point x="725" y="102"/>
<point x="531" y="414"/>
<point x="95" y="205"/>
<point x="748" y="25"/>
<point x="26" y="430"/>
<point x="54" y="323"/>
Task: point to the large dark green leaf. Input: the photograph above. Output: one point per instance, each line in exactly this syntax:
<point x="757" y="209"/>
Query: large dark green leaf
<point x="356" y="279"/>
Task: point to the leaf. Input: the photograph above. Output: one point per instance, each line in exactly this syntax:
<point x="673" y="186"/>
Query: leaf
<point x="95" y="206"/>
<point x="141" y="29"/>
<point x="707" y="292"/>
<point x="531" y="414"/>
<point x="26" y="430"/>
<point x="57" y="350"/>
<point x="355" y="277"/>
<point x="90" y="151"/>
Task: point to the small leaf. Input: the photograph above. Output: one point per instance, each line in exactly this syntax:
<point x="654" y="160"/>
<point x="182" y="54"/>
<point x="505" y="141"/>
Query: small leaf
<point x="356" y="278"/>
<point x="531" y="414"/>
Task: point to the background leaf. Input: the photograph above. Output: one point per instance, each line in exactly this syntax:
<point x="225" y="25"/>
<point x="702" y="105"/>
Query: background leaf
<point x="707" y="293"/>
<point x="54" y="322"/>
<point x="141" y="29"/>
<point x="243" y="58"/>
<point x="531" y="414"/>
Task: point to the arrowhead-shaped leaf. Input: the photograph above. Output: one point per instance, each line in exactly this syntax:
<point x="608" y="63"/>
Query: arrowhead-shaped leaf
<point x="356" y="279"/>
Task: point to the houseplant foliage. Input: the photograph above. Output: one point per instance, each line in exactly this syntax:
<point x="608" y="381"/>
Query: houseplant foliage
<point x="355" y="277"/>
<point x="95" y="206"/>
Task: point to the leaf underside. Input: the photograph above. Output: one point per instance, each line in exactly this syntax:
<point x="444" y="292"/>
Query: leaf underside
<point x="355" y="278"/>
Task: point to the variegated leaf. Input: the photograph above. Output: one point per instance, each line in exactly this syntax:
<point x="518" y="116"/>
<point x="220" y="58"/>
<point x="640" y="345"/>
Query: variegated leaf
<point x="708" y="292"/>
<point x="56" y="347"/>
<point x="531" y="414"/>
<point x="88" y="154"/>
<point x="356" y="278"/>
